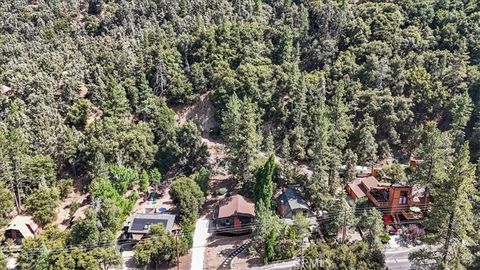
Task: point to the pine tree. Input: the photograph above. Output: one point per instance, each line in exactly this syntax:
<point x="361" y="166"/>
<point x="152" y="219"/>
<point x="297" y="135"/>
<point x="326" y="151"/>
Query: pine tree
<point x="269" y="253"/>
<point x="286" y="150"/>
<point x="432" y="149"/>
<point x="264" y="183"/>
<point x="461" y="110"/>
<point x="372" y="221"/>
<point x="451" y="220"/>
<point x="350" y="173"/>
<point x="269" y="144"/>
<point x="366" y="148"/>
<point x="340" y="131"/>
<point x="240" y="125"/>
<point x="319" y="150"/>
<point x="115" y="102"/>
<point x="299" y="142"/>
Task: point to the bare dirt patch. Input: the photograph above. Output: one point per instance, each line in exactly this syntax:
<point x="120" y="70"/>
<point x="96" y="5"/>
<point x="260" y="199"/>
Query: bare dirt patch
<point x="202" y="112"/>
<point x="219" y="247"/>
<point x="63" y="212"/>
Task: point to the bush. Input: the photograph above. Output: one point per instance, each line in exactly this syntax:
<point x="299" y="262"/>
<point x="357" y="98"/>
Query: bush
<point x="384" y="238"/>
<point x="202" y="177"/>
<point x="73" y="208"/>
<point x="66" y="187"/>
<point x="188" y="228"/>
<point x="221" y="191"/>
<point x="187" y="196"/>
<point x="43" y="203"/>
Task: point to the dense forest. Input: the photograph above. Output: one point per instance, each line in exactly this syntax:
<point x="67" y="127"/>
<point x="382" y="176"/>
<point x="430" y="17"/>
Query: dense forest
<point x="88" y="88"/>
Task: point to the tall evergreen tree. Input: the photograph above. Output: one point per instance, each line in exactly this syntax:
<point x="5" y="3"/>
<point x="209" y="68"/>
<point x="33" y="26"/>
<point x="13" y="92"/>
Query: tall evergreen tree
<point x="320" y="150"/>
<point x="432" y="149"/>
<point x="451" y="220"/>
<point x="340" y="131"/>
<point x="240" y="125"/>
<point x="264" y="183"/>
<point x="269" y="144"/>
<point x="269" y="249"/>
<point x="366" y="147"/>
<point x="373" y="223"/>
<point x="115" y="102"/>
<point x="350" y="173"/>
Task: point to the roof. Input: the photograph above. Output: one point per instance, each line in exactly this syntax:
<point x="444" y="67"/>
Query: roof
<point x="234" y="205"/>
<point x="361" y="185"/>
<point x="141" y="222"/>
<point x="293" y="198"/>
<point x="24" y="224"/>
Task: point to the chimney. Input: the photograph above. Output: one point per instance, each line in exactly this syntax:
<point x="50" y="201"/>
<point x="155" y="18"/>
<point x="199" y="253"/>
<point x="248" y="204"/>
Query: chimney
<point x="281" y="208"/>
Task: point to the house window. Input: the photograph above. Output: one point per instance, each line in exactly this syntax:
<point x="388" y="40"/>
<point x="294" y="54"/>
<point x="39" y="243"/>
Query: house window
<point x="228" y="222"/>
<point x="403" y="197"/>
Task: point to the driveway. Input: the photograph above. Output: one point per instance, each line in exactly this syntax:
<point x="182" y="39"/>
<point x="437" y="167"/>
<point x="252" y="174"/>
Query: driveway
<point x="199" y="243"/>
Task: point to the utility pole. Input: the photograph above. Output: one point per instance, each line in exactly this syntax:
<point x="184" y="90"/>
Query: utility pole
<point x="176" y="244"/>
<point x="301" y="254"/>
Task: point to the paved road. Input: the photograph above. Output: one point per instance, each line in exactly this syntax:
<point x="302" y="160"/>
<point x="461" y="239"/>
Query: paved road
<point x="278" y="266"/>
<point x="397" y="259"/>
<point x="199" y="242"/>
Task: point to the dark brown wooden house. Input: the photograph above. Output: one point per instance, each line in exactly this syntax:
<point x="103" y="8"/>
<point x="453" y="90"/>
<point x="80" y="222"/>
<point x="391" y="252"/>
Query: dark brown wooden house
<point x="234" y="215"/>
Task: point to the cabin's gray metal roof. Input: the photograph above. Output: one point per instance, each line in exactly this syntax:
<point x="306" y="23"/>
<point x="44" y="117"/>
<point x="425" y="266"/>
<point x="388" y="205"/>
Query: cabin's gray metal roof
<point x="294" y="199"/>
<point x="141" y="222"/>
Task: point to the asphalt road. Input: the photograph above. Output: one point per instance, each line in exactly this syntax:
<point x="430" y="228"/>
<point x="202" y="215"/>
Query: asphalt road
<point x="397" y="259"/>
<point x="278" y="266"/>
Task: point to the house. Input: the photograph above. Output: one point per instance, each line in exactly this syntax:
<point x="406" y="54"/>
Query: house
<point x="291" y="203"/>
<point x="234" y="215"/>
<point x="361" y="185"/>
<point x="141" y="223"/>
<point x="21" y="227"/>
<point x="402" y="202"/>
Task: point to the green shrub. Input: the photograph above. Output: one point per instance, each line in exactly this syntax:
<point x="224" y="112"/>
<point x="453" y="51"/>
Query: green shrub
<point x="384" y="238"/>
<point x="221" y="191"/>
<point x="73" y="208"/>
<point x="65" y="187"/>
<point x="188" y="228"/>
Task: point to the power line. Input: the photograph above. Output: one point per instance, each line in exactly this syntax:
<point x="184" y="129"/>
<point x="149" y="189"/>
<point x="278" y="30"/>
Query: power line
<point x="247" y="226"/>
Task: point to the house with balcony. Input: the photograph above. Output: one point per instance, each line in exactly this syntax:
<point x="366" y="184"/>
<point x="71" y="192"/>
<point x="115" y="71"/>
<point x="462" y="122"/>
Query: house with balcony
<point x="234" y="215"/>
<point x="404" y="203"/>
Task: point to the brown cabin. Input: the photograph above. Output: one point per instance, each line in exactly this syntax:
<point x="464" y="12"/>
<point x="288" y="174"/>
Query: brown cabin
<point x="21" y="227"/>
<point x="234" y="215"/>
<point x="400" y="200"/>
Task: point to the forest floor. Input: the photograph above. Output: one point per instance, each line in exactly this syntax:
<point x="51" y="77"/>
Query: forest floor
<point x="219" y="247"/>
<point x="63" y="211"/>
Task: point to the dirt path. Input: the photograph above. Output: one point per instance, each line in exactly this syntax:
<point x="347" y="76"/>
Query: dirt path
<point x="63" y="212"/>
